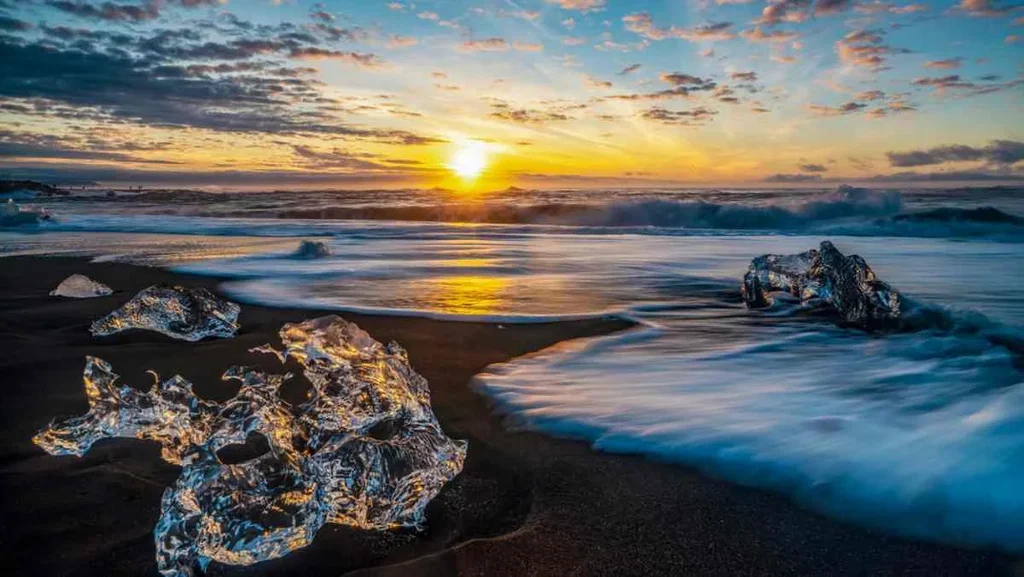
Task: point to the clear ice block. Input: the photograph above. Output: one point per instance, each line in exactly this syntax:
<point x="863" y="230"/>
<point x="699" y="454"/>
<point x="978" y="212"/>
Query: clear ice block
<point x="363" y="450"/>
<point x="846" y="283"/>
<point x="189" y="314"/>
<point x="78" y="286"/>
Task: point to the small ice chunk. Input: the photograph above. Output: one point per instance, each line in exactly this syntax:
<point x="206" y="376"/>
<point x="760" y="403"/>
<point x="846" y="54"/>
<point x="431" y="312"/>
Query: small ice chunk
<point x="189" y="314"/>
<point x="311" y="249"/>
<point x="365" y="450"/>
<point x="78" y="286"/>
<point x="826" y="275"/>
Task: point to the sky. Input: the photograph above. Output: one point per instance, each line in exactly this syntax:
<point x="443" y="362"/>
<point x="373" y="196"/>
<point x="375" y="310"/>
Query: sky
<point x="479" y="94"/>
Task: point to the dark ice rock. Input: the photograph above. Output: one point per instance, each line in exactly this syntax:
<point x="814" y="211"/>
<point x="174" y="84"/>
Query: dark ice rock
<point x="364" y="450"/>
<point x="310" y="249"/>
<point x="189" y="314"/>
<point x="846" y="283"/>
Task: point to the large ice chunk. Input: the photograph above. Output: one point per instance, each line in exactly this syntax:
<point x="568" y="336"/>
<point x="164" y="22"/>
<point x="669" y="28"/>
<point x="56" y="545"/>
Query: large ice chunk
<point x="78" y="286"/>
<point x="189" y="314"/>
<point x="11" y="214"/>
<point x="363" y="450"/>
<point x="826" y="275"/>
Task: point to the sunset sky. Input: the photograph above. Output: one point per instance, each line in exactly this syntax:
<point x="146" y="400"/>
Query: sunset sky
<point x="493" y="93"/>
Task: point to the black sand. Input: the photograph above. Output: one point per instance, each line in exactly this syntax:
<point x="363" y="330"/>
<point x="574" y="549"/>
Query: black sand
<point x="525" y="504"/>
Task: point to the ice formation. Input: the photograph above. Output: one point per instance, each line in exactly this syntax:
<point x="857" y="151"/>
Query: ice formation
<point x="846" y="283"/>
<point x="189" y="314"/>
<point x="79" y="286"/>
<point x="312" y="249"/>
<point x="364" y="449"/>
<point x="11" y="214"/>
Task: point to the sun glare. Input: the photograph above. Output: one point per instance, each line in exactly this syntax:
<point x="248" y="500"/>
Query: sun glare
<point x="469" y="160"/>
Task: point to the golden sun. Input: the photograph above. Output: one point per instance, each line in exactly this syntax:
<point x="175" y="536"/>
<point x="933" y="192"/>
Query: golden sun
<point x="469" y="160"/>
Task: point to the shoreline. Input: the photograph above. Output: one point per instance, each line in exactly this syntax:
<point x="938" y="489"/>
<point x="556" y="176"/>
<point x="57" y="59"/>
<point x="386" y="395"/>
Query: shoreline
<point x="525" y="504"/>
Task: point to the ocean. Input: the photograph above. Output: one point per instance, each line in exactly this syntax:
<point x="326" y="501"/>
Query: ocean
<point x="919" y="432"/>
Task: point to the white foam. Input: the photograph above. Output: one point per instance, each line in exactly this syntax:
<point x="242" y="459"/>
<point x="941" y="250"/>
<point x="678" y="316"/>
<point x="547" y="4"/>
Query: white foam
<point x="922" y="434"/>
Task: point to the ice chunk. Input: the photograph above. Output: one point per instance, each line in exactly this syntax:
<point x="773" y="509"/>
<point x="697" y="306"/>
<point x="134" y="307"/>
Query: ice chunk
<point x="13" y="215"/>
<point x="846" y="283"/>
<point x="184" y="313"/>
<point x="364" y="449"/>
<point x="312" y="249"/>
<point x="79" y="286"/>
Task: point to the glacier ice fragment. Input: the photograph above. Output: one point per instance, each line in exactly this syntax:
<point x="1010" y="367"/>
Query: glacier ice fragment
<point x="312" y="249"/>
<point x="363" y="450"/>
<point x="846" y="283"/>
<point x="11" y="214"/>
<point x="79" y="286"/>
<point x="189" y="314"/>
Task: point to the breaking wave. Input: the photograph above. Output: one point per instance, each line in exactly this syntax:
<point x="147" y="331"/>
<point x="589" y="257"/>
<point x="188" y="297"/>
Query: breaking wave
<point x="844" y="203"/>
<point x="847" y="210"/>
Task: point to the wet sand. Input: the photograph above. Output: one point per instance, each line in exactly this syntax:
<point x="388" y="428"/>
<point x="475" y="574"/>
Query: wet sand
<point x="525" y="504"/>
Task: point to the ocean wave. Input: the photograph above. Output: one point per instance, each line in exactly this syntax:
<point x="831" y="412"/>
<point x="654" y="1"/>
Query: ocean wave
<point x="916" y="433"/>
<point x="847" y="210"/>
<point x="846" y="202"/>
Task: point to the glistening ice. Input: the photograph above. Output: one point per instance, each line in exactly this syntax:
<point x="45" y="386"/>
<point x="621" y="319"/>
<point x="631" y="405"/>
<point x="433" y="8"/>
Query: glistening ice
<point x="364" y="449"/>
<point x="189" y="314"/>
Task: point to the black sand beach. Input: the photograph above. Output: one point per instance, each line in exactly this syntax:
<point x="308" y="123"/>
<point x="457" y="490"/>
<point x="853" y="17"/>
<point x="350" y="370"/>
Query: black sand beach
<point x="525" y="504"/>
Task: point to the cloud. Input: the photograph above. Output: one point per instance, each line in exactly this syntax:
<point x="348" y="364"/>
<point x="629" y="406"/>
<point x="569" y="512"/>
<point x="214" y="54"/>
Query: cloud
<point x="573" y="41"/>
<point x="997" y="152"/>
<point x="396" y="41"/>
<point x="356" y="58"/>
<point x="629" y="69"/>
<point x="947" y="64"/>
<point x="877" y="6"/>
<point x="485" y="45"/>
<point x="13" y="24"/>
<point x="596" y="83"/>
<point x="947" y="176"/>
<point x="865" y="48"/>
<point x="986" y="8"/>
<point x="847" y="108"/>
<point x="683" y="86"/>
<point x="813" y="168"/>
<point x="528" y="47"/>
<point x="581" y="5"/>
<point x="29" y="145"/>
<point x="693" y="117"/>
<point x="954" y="82"/>
<point x="785" y="11"/>
<point x="641" y="23"/>
<point x="871" y="95"/>
<point x="112" y="88"/>
<point x="829" y="7"/>
<point x="680" y="79"/>
<point x="792" y="178"/>
<point x="758" y="35"/>
<point x="504" y="111"/>
<point x="119" y="12"/>
<point x="108" y="11"/>
<point x="744" y="76"/>
<point x="335" y="159"/>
